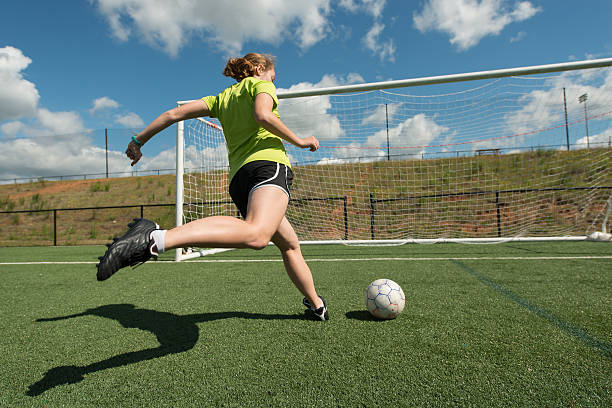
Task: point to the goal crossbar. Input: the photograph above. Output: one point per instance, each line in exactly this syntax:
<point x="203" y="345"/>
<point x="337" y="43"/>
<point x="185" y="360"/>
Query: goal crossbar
<point x="442" y="79"/>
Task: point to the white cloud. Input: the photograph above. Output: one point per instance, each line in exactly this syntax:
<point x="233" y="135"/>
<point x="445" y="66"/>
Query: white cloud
<point x="194" y="158"/>
<point x="380" y="113"/>
<point x="57" y="123"/>
<point x="19" y="99"/>
<point x="518" y="37"/>
<point x="603" y="139"/>
<point x="468" y="21"/>
<point x="169" y="25"/>
<point x="524" y="11"/>
<point x="350" y="5"/>
<point x="313" y="116"/>
<point x="10" y="129"/>
<point x="165" y="159"/>
<point x="354" y="78"/>
<point x="57" y="143"/>
<point x="314" y="25"/>
<point x="54" y="156"/>
<point x="415" y="131"/>
<point x="46" y="123"/>
<point x="103" y="103"/>
<point x="372" y="7"/>
<point x="18" y="96"/>
<point x="375" y="7"/>
<point x="372" y="41"/>
<point x="129" y="120"/>
<point x="354" y="153"/>
<point x="543" y="109"/>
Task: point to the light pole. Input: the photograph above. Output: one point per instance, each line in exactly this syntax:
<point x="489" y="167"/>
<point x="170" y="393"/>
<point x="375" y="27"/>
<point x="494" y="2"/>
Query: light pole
<point x="583" y="98"/>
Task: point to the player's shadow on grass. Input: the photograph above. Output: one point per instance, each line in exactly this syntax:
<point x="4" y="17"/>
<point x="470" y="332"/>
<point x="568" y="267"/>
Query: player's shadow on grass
<point x="175" y="334"/>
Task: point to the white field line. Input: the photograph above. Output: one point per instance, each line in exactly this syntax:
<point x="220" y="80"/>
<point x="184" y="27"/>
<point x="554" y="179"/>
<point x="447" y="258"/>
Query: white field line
<point x="400" y="259"/>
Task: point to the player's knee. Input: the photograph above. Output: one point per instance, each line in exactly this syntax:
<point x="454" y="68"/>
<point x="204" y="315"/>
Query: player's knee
<point x="289" y="245"/>
<point x="258" y="245"/>
<point x="258" y="241"/>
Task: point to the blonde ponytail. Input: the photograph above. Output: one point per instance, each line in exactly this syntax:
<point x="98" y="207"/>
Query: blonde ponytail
<point x="240" y="68"/>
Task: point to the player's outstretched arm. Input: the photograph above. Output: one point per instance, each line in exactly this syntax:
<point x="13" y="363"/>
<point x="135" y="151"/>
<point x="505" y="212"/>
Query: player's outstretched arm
<point x="194" y="109"/>
<point x="263" y="114"/>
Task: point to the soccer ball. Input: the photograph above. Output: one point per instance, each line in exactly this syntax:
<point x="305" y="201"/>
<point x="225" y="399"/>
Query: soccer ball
<point x="384" y="299"/>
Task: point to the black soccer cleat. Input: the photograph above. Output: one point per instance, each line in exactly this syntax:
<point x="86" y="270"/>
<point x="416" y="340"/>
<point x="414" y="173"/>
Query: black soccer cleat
<point x="132" y="248"/>
<point x="316" y="314"/>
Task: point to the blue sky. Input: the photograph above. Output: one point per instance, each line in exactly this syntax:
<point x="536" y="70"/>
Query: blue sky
<point x="77" y="67"/>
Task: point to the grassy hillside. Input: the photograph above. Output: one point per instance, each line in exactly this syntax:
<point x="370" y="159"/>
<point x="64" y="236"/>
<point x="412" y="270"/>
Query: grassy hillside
<point x="81" y="227"/>
<point x="402" y="190"/>
<point x="88" y="193"/>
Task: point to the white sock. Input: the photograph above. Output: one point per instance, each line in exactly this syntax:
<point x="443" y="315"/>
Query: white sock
<point x="159" y="236"/>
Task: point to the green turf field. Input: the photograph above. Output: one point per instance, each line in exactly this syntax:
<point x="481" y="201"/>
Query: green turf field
<point x="515" y="324"/>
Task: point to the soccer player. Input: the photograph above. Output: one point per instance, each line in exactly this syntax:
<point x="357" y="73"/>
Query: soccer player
<point x="260" y="177"/>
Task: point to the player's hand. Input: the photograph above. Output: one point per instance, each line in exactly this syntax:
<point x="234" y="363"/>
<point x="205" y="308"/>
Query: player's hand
<point x="310" y="142"/>
<point x="133" y="152"/>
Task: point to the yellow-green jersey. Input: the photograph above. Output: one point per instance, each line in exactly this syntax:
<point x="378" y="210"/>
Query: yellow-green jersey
<point x="246" y="140"/>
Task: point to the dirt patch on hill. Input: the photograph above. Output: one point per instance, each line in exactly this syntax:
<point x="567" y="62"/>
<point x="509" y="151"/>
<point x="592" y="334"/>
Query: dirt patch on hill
<point x="58" y="187"/>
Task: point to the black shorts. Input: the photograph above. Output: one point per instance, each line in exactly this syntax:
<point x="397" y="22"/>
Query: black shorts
<point x="258" y="174"/>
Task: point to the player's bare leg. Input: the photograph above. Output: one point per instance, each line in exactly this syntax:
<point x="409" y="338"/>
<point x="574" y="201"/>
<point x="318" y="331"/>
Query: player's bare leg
<point x="267" y="207"/>
<point x="138" y="245"/>
<point x="287" y="241"/>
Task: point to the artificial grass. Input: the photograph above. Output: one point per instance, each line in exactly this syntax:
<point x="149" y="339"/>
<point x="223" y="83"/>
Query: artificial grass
<point x="502" y="332"/>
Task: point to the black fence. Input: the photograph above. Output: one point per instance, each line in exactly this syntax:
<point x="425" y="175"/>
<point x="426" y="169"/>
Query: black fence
<point x="496" y="193"/>
<point x="55" y="211"/>
<point x="115" y="222"/>
<point x="141" y="209"/>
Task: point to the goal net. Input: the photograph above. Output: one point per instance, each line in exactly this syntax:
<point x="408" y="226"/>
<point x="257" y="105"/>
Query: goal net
<point x="482" y="157"/>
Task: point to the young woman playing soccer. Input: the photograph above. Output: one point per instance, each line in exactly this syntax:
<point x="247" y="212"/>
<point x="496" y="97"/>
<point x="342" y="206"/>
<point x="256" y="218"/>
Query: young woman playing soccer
<point x="260" y="177"/>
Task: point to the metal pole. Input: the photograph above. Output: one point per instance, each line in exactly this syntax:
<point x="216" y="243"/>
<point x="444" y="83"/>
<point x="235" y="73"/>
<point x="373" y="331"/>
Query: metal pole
<point x="586" y="123"/>
<point x="443" y="79"/>
<point x="566" y="124"/>
<point x="499" y="234"/>
<point x="583" y="99"/>
<point x="345" y="218"/>
<point x="372" y="216"/>
<point x="54" y="227"/>
<point x="106" y="146"/>
<point x="387" y="121"/>
<point x="180" y="146"/>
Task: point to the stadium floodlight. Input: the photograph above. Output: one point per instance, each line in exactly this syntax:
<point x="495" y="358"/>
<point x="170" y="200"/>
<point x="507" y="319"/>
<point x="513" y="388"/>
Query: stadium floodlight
<point x="583" y="99"/>
<point x="399" y="161"/>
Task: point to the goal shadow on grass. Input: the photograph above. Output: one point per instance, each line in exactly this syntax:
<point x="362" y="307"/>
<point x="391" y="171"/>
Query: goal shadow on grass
<point x="175" y="334"/>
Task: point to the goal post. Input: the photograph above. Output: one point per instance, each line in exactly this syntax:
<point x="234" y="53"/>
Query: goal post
<point x="180" y="148"/>
<point x="477" y="157"/>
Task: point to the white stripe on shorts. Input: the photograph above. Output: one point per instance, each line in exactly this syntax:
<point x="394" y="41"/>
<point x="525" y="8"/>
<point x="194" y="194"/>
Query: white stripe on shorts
<point x="263" y="183"/>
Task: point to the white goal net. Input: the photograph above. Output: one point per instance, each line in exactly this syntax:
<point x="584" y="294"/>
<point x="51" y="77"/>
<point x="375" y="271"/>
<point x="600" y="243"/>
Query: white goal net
<point x="493" y="159"/>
